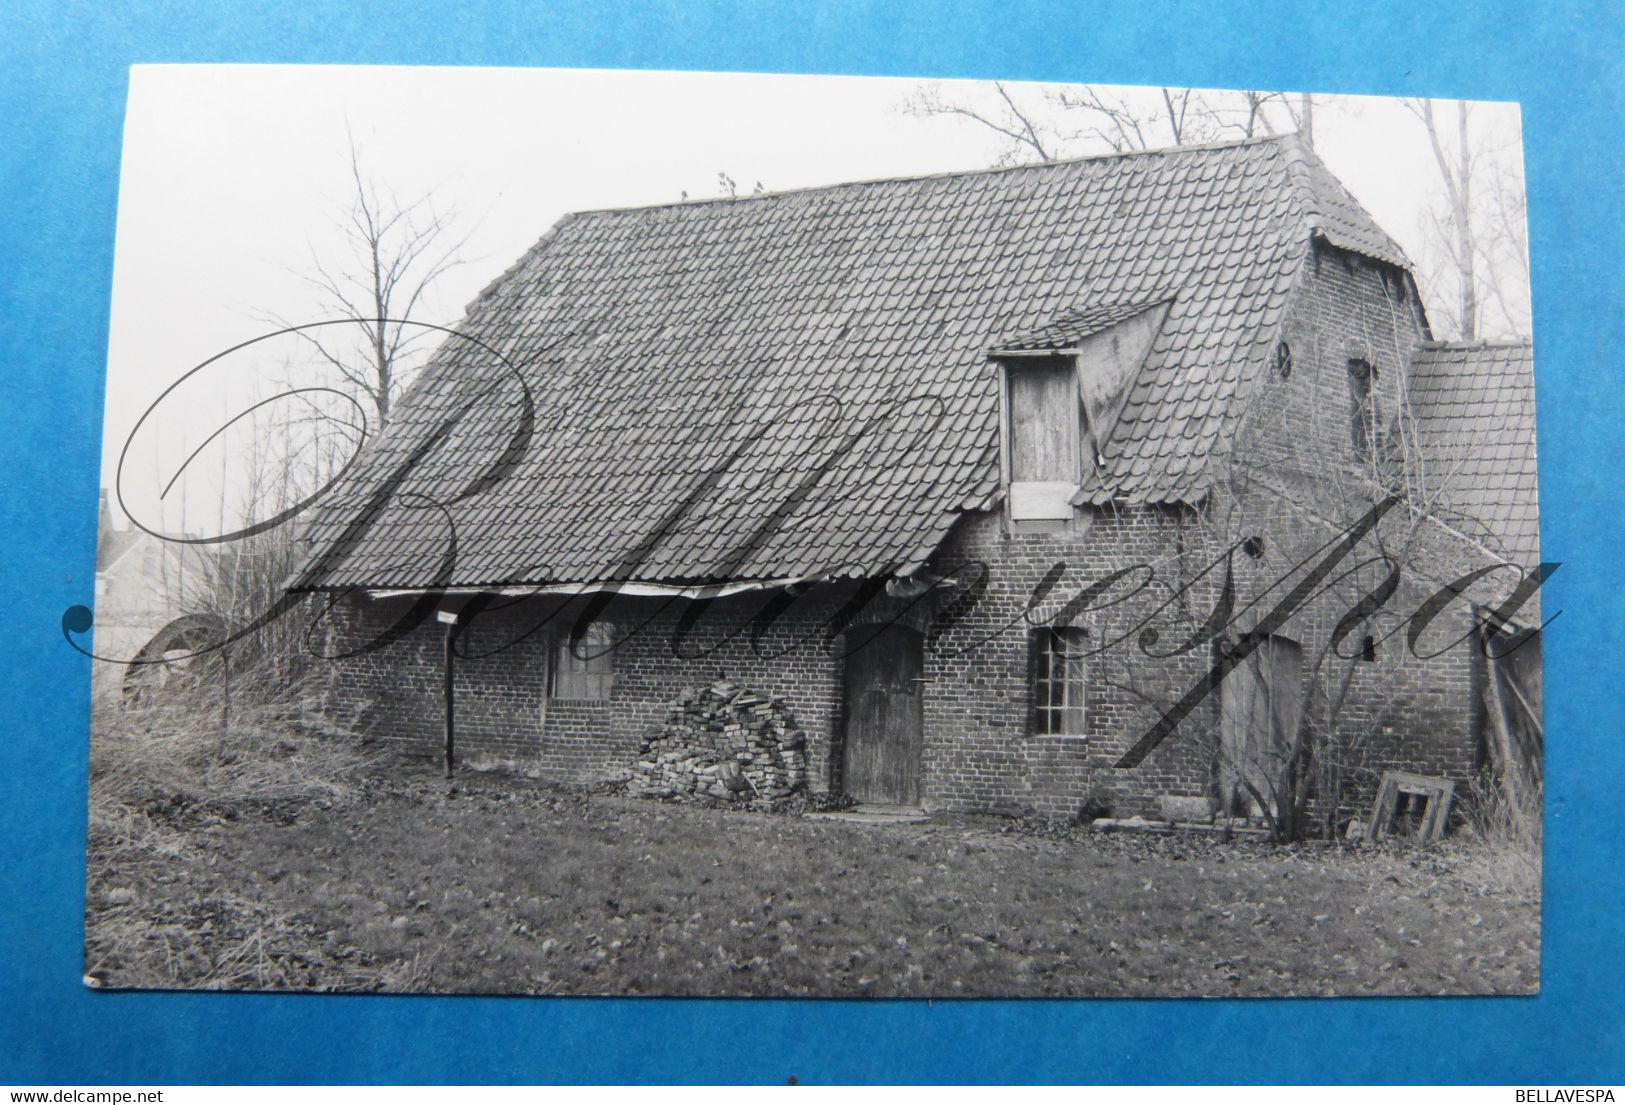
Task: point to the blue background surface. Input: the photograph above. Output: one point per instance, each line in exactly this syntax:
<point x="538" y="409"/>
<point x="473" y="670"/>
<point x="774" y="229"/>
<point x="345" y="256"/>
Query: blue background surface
<point x="62" y="89"/>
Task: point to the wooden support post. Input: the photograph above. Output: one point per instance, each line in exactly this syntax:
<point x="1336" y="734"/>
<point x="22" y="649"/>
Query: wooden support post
<point x="225" y="691"/>
<point x="225" y="702"/>
<point x="1504" y="744"/>
<point x="449" y="620"/>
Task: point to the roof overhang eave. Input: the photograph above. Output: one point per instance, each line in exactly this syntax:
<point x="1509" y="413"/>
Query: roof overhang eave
<point x="634" y="588"/>
<point x="1396" y="258"/>
<point x="1067" y="352"/>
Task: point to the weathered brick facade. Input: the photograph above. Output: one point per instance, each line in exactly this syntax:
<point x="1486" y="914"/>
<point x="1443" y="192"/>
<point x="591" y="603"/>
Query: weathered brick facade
<point x="978" y="753"/>
<point x="505" y="714"/>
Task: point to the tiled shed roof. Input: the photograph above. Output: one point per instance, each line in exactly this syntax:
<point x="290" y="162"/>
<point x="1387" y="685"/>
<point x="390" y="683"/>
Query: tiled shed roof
<point x="798" y="384"/>
<point x="1474" y="407"/>
<point x="1071" y="327"/>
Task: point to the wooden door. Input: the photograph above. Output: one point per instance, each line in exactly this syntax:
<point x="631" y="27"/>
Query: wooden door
<point x="884" y="723"/>
<point x="1259" y="705"/>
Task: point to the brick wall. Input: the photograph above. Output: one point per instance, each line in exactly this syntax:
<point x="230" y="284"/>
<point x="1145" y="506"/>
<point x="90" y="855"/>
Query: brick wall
<point x="1345" y="307"/>
<point x="978" y="751"/>
<point x="1403" y="710"/>
<point x="505" y="715"/>
<point x="1398" y="710"/>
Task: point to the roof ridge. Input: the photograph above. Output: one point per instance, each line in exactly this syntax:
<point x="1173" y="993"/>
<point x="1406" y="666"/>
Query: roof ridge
<point x="948" y="174"/>
<point x="494" y="285"/>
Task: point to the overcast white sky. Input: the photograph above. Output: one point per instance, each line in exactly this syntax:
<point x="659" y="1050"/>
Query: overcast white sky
<point x="233" y="175"/>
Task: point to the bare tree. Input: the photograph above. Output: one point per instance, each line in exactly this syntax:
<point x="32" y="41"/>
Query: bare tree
<point x="378" y="277"/>
<point x="1027" y="136"/>
<point x="1477" y="230"/>
<point x="1507" y="252"/>
<point x="1456" y="173"/>
<point x="391" y="256"/>
<point x="1050" y="123"/>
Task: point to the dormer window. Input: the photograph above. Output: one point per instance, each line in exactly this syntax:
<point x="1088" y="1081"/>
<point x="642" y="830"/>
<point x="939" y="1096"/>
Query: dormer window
<point x="1044" y="434"/>
<point x="1065" y="386"/>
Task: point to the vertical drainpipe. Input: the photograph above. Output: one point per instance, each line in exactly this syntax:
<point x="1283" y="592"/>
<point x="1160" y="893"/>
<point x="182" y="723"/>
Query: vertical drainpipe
<point x="448" y="618"/>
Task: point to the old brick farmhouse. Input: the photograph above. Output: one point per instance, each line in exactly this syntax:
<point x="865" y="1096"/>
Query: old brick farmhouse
<point x="955" y="469"/>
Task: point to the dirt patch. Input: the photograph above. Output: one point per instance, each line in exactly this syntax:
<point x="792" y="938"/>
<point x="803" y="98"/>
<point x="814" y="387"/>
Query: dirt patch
<point x="503" y="885"/>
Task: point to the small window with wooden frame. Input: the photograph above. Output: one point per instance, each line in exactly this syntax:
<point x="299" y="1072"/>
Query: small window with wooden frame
<point x="1043" y="429"/>
<point x="584" y="671"/>
<point x="1058" y="681"/>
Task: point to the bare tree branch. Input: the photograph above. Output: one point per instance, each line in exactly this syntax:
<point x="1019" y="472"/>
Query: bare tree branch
<point x="1016" y="124"/>
<point x="1456" y="175"/>
<point x="398" y="253"/>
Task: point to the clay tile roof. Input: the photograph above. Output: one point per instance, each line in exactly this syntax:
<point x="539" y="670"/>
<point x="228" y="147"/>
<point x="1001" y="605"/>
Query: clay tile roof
<point x="798" y="384"/>
<point x="1474" y="406"/>
<point x="1335" y="214"/>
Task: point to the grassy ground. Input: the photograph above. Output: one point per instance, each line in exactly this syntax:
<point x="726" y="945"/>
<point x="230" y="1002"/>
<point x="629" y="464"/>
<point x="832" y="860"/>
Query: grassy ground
<point x="391" y="879"/>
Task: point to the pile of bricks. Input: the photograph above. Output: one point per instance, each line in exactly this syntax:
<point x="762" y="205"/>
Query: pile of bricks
<point x="726" y="742"/>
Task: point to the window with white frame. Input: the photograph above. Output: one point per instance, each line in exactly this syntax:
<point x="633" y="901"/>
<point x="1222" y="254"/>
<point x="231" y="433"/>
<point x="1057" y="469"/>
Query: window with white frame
<point x="584" y="670"/>
<point x="1058" y="680"/>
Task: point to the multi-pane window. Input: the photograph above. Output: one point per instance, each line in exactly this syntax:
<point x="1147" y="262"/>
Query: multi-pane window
<point x="1058" y="680"/>
<point x="585" y="669"/>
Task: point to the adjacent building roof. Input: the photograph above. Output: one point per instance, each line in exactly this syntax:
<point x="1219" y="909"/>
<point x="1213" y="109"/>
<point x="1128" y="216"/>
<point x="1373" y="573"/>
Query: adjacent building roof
<point x="111" y="542"/>
<point x="1474" y="406"/>
<point x="798" y="385"/>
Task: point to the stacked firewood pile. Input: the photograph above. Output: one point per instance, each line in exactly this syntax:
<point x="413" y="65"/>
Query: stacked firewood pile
<point x="726" y="742"/>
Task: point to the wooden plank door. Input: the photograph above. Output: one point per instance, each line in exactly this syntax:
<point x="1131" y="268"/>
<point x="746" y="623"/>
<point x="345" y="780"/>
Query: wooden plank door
<point x="884" y="722"/>
<point x="1259" y="704"/>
